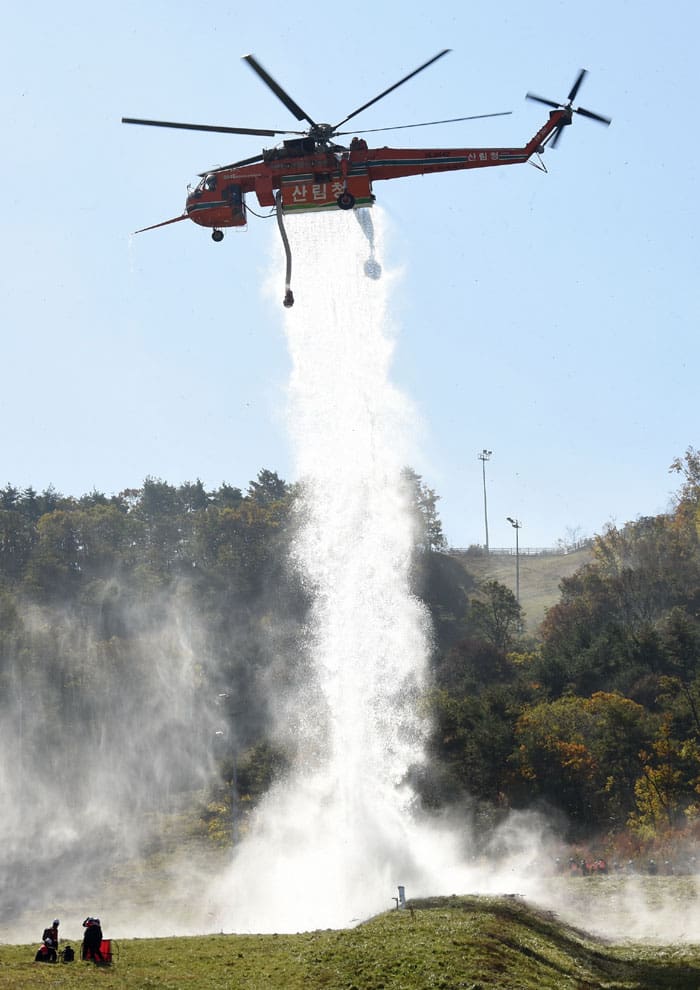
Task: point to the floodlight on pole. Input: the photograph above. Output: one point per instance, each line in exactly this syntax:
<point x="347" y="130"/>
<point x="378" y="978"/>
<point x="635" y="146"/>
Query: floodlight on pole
<point x="484" y="457"/>
<point x="516" y="524"/>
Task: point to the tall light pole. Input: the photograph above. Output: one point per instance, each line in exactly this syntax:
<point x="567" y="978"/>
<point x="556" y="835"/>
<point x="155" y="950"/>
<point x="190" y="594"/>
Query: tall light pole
<point x="516" y="524"/>
<point x="483" y="457"/>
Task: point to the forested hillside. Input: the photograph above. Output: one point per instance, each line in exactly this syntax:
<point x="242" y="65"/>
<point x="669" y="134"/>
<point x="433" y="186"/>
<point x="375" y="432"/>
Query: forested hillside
<point x="180" y="602"/>
<point x="138" y="636"/>
<point x="87" y="583"/>
<point x="598" y="718"/>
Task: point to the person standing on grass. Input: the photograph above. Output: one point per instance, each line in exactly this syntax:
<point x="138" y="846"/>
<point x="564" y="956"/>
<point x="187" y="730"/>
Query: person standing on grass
<point x="92" y="940"/>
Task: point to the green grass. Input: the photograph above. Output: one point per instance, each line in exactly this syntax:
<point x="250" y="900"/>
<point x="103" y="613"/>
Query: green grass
<point x="539" y="577"/>
<point x="445" y="943"/>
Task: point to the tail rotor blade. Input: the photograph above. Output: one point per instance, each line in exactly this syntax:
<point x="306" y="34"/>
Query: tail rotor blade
<point x="575" y="88"/>
<point x="557" y="135"/>
<point x="541" y="99"/>
<point x="593" y="116"/>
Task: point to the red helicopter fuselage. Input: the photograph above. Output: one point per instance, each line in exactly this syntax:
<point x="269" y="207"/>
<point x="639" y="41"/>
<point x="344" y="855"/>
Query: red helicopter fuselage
<point x="303" y="177"/>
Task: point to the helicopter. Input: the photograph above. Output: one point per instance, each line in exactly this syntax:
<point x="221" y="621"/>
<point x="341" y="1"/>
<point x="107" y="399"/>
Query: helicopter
<point x="310" y="172"/>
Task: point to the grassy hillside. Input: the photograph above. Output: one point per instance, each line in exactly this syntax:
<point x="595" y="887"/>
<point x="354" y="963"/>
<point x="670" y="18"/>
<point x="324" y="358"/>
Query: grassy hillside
<point x="448" y="943"/>
<point x="539" y="577"/>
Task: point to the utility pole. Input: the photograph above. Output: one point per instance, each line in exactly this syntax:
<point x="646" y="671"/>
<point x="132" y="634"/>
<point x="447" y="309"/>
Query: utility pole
<point x="516" y="524"/>
<point x="483" y="457"/>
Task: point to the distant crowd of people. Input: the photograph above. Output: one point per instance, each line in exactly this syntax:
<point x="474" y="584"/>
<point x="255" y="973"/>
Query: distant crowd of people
<point x="94" y="948"/>
<point x="590" y="867"/>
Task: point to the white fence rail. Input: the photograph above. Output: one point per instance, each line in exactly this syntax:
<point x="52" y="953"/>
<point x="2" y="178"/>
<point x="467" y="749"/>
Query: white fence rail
<point x="560" y="551"/>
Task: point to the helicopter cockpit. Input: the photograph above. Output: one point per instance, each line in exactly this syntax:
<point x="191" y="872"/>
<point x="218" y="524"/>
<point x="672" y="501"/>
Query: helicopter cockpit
<point x="206" y="184"/>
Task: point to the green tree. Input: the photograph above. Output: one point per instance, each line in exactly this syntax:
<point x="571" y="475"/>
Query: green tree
<point x="496" y="615"/>
<point x="162" y="533"/>
<point x="53" y="570"/>
<point x="227" y="497"/>
<point x="689" y="467"/>
<point x="106" y="539"/>
<point x="267" y="489"/>
<point x="9" y="497"/>
<point x="193" y="497"/>
<point x="470" y="746"/>
<point x="17" y="538"/>
<point x="242" y="546"/>
<point x="423" y="501"/>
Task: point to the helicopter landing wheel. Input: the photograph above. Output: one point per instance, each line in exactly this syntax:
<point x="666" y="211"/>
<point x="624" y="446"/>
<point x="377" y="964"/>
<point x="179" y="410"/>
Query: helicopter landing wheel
<point x="217" y="235"/>
<point x="346" y="200"/>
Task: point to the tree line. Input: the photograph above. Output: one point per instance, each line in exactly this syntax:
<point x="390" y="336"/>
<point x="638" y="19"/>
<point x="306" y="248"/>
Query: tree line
<point x="596" y="719"/>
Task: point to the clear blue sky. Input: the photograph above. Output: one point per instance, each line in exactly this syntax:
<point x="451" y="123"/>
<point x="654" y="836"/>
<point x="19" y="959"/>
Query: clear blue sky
<point x="550" y="318"/>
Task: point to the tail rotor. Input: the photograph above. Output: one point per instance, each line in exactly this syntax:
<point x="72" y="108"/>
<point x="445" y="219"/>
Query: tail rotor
<point x="569" y="108"/>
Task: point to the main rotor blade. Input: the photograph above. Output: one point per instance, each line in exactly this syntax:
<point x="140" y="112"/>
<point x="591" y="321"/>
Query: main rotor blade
<point x="541" y="99"/>
<point x="392" y="88"/>
<point x="593" y="116"/>
<point x="575" y="88"/>
<point x="207" y="127"/>
<point x="427" y="123"/>
<point x="278" y="91"/>
<point x="224" y="168"/>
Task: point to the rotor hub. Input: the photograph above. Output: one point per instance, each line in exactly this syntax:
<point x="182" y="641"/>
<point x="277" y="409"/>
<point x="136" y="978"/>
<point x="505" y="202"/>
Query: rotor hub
<point x="322" y="132"/>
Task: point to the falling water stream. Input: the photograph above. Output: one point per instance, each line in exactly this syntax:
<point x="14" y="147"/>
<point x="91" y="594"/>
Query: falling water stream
<point x="335" y="841"/>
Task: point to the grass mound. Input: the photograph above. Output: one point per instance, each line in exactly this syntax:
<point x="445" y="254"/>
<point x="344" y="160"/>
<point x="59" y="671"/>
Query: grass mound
<point x="470" y="943"/>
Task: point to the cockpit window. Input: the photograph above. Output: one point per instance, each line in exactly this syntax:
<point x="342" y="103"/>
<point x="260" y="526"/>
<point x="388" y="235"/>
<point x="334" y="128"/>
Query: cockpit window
<point x="210" y="182"/>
